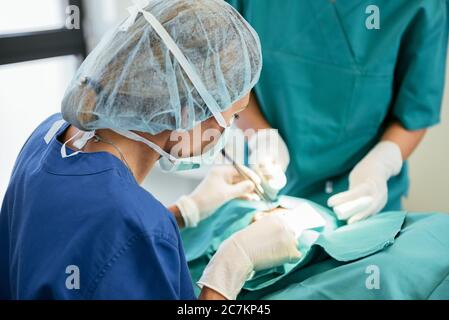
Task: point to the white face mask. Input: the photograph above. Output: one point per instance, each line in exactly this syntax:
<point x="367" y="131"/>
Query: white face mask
<point x="182" y="164"/>
<point x="169" y="163"/>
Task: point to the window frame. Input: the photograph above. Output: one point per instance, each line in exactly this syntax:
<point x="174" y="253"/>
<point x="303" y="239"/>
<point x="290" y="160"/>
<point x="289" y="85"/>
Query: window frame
<point x="27" y="46"/>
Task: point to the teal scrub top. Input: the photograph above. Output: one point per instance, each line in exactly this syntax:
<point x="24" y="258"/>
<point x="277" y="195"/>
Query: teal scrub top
<point x="331" y="85"/>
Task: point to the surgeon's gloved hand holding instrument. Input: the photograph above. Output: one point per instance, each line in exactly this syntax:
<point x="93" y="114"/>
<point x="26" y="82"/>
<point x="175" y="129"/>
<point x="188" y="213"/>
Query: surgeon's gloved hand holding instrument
<point x="368" y="189"/>
<point x="264" y="244"/>
<point x="250" y="175"/>
<point x="222" y="184"/>
<point x="269" y="158"/>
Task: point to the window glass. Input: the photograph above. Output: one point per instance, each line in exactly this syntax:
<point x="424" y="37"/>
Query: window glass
<point x="30" y="92"/>
<point x="31" y="15"/>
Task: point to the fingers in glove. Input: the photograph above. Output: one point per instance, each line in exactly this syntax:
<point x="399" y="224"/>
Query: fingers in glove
<point x="278" y="243"/>
<point x="265" y="168"/>
<point x="251" y="174"/>
<point x="250" y="197"/>
<point x="241" y="189"/>
<point x="295" y="255"/>
<point x="273" y="177"/>
<point x="269" y="170"/>
<point x="348" y="209"/>
<point x="236" y="177"/>
<point x="362" y="215"/>
<point x="293" y="252"/>
<point x="273" y="186"/>
<point x="226" y="170"/>
<point x="350" y="195"/>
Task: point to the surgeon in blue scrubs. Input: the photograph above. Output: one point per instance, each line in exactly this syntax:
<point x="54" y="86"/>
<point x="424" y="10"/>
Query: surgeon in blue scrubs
<point x="75" y="223"/>
<point x="351" y="86"/>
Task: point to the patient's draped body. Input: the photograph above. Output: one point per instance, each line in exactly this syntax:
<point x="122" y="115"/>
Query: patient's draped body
<point x="394" y="255"/>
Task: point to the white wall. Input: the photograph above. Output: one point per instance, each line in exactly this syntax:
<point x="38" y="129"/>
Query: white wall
<point x="429" y="166"/>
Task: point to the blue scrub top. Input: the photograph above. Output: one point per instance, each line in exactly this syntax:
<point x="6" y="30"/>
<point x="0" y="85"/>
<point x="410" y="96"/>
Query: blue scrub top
<point x="88" y="214"/>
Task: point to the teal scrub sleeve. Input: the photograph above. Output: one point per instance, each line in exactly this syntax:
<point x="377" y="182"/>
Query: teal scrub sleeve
<point x="147" y="268"/>
<point x="421" y="68"/>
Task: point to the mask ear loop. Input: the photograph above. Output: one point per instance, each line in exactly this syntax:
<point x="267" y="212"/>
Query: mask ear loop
<point x="133" y="136"/>
<point x="79" y="143"/>
<point x="64" y="154"/>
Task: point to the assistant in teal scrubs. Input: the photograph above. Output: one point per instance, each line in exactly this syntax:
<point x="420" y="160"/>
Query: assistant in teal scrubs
<point x="333" y="86"/>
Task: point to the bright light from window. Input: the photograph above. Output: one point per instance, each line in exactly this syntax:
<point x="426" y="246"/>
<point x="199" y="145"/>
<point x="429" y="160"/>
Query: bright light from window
<point x="31" y="15"/>
<point x="30" y="93"/>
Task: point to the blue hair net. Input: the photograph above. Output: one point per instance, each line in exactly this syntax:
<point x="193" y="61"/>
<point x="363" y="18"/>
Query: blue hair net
<point x="133" y="81"/>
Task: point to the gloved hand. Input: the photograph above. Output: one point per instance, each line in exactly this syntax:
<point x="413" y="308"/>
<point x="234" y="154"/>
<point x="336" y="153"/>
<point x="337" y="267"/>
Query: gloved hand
<point x="269" y="158"/>
<point x="266" y="243"/>
<point x="222" y="184"/>
<point x="368" y="190"/>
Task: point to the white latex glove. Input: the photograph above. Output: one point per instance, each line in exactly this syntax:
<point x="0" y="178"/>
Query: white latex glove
<point x="264" y="244"/>
<point x="368" y="190"/>
<point x="269" y="158"/>
<point x="222" y="184"/>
